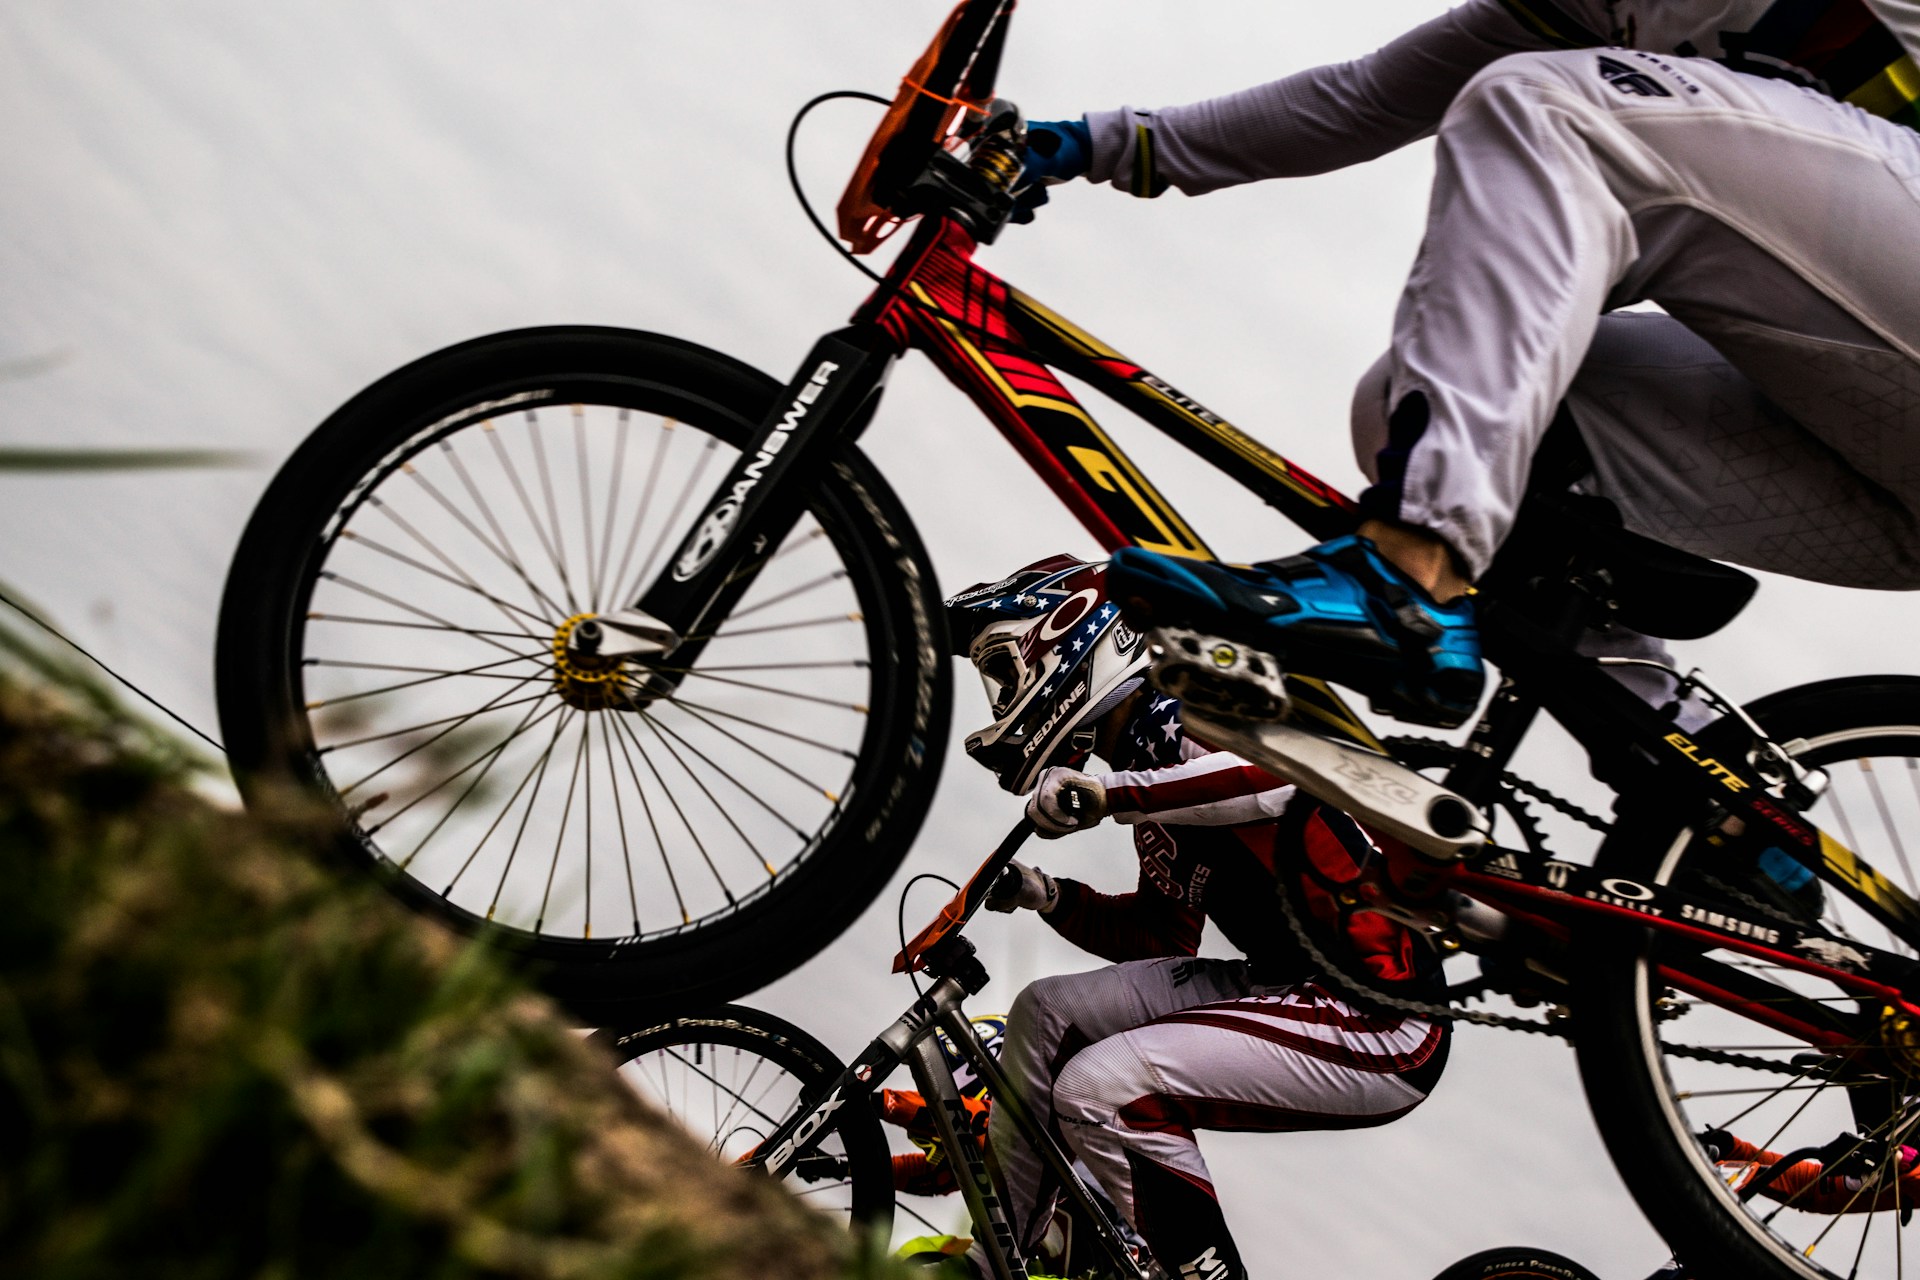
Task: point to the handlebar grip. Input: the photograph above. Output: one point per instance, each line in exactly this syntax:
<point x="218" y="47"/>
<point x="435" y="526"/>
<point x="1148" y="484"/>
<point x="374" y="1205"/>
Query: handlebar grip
<point x="1006" y="884"/>
<point x="1077" y="801"/>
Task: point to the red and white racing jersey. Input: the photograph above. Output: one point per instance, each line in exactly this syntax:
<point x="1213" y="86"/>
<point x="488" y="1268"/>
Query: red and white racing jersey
<point x="1212" y="833"/>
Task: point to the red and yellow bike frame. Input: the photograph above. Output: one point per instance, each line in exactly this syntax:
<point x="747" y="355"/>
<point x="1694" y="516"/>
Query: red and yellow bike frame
<point x="1001" y="348"/>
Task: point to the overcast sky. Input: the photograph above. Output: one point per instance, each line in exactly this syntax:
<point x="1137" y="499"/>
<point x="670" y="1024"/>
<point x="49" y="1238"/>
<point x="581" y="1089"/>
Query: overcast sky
<point x="219" y="220"/>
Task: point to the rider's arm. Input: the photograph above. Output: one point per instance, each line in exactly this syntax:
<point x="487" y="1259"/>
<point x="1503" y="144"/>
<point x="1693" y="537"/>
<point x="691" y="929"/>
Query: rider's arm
<point x="1209" y="789"/>
<point x="1322" y="119"/>
<point x="1143" y="925"/>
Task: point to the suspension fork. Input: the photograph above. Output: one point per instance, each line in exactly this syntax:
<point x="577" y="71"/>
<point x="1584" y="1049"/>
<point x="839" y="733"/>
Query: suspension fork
<point x="829" y="401"/>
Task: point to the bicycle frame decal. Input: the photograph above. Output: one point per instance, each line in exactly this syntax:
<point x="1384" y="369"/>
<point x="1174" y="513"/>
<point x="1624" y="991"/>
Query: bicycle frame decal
<point x="959" y="315"/>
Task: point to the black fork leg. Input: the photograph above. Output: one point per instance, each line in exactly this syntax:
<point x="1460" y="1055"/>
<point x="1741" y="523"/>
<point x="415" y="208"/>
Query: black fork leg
<point x="829" y="400"/>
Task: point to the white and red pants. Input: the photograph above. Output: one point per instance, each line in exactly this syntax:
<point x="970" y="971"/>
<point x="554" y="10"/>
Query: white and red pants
<point x="1771" y="418"/>
<point x="1126" y="1062"/>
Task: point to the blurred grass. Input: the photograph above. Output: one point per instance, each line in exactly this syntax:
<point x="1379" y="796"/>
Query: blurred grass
<point x="218" y="1059"/>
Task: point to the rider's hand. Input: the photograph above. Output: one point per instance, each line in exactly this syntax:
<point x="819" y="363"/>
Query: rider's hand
<point x="1065" y="800"/>
<point x="1057" y="151"/>
<point x="1023" y="888"/>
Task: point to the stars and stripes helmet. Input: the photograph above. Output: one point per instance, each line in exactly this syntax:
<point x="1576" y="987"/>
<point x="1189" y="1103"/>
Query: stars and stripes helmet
<point x="1054" y="657"/>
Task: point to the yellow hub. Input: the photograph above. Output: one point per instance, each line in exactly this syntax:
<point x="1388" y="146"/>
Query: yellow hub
<point x="586" y="680"/>
<point x="1900" y="1036"/>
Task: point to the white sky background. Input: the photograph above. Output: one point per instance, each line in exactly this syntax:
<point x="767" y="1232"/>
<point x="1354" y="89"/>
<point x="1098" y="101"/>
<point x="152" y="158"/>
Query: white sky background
<point x="225" y="218"/>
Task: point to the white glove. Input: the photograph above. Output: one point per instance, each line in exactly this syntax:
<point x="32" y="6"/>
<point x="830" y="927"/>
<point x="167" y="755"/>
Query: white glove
<point x="1023" y="888"/>
<point x="1065" y="800"/>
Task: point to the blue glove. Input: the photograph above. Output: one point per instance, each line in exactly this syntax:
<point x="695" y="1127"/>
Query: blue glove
<point x="1057" y="151"/>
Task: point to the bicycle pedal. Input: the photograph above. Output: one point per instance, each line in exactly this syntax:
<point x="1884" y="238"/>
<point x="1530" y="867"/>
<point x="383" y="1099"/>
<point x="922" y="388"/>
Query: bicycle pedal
<point x="1376" y="789"/>
<point x="1217" y="676"/>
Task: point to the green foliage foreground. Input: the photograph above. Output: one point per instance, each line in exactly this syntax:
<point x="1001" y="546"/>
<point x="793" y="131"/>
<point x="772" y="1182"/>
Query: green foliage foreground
<point x="218" y="1059"/>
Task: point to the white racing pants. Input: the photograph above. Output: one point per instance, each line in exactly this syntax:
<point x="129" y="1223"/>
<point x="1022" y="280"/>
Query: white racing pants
<point x="1771" y="418"/>
<point x="1125" y="1062"/>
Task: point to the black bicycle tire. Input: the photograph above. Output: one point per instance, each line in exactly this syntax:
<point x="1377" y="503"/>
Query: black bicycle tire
<point x="899" y="763"/>
<point x="869" y="1160"/>
<point x="1515" y="1262"/>
<point x="1617" y="1075"/>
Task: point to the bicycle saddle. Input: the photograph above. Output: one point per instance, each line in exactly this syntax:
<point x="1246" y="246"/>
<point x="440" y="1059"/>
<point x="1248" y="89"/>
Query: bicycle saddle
<point x="1656" y="589"/>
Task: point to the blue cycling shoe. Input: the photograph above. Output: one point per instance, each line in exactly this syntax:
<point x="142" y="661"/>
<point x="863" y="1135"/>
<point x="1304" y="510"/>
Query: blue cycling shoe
<point x="1339" y="612"/>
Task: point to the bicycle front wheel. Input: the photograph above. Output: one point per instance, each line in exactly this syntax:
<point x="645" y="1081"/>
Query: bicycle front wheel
<point x="393" y="645"/>
<point x="732" y="1075"/>
<point x="1516" y="1263"/>
<point x="1698" y="1103"/>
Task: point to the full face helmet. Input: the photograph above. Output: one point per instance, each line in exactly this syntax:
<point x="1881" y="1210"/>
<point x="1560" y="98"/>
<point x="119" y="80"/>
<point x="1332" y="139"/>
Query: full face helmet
<point x="1054" y="657"/>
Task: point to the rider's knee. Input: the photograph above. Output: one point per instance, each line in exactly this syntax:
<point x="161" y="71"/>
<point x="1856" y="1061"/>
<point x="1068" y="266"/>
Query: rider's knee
<point x="1032" y="1007"/>
<point x="1519" y="82"/>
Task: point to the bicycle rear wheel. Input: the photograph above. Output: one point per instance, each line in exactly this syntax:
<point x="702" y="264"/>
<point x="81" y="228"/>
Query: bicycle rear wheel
<point x="1691" y="1097"/>
<point x="730" y="1076"/>
<point x="393" y="645"/>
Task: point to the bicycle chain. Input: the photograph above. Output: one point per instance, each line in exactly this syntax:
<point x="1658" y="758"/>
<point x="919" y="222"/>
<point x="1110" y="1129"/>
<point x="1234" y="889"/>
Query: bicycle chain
<point x="1352" y="988"/>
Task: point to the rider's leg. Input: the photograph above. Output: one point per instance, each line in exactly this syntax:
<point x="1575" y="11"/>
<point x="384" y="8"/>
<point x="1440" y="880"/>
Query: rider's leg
<point x="1052" y="1020"/>
<point x="1291" y="1060"/>
<point x="1694" y="454"/>
<point x="1747" y="207"/>
<point x="1755" y="211"/>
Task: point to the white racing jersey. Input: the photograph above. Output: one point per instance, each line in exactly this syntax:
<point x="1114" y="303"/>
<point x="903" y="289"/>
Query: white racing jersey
<point x="1858" y="51"/>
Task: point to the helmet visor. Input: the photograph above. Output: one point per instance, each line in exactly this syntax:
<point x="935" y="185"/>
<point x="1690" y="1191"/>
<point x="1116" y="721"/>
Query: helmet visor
<point x="1002" y="671"/>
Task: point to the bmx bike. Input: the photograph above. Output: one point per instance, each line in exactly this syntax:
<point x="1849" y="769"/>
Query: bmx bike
<point x="618" y="652"/>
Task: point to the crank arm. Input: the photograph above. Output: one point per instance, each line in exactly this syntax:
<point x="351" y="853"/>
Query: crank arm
<point x="1376" y="789"/>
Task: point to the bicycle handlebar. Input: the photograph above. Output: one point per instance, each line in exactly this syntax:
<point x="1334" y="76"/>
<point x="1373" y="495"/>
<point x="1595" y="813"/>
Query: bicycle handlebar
<point x="961" y="907"/>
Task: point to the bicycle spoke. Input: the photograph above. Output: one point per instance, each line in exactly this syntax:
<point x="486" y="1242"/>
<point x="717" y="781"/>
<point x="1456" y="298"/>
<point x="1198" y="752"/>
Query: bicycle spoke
<point x="533" y="798"/>
<point x="845" y="664"/>
<point x="1886" y="819"/>
<point x="433" y="549"/>
<point x="710" y="1079"/>
<point x="558" y="547"/>
<point x="330" y="576"/>
<point x="739" y="1099"/>
<point x="621" y="431"/>
<point x="528" y="723"/>
<point x="744" y="789"/>
<point x="717" y="806"/>
<point x="640" y="516"/>
<point x="337" y="664"/>
<point x="798" y="544"/>
<point x="834" y="619"/>
<point x="505" y="550"/>
<point x="507" y="610"/>
<point x="781" y="765"/>
<point x="462" y="718"/>
<point x="791" y="593"/>
<point x="581" y="471"/>
<point x="412" y="626"/>
<point x="560" y="839"/>
<point x="481" y="672"/>
<point x="505" y="809"/>
<point x="654" y="826"/>
<point x="857" y="707"/>
<point x="698" y="843"/>
<point x="1772" y="1091"/>
<point x="620" y="820"/>
<point x="1728" y="1124"/>
<point x="693" y="708"/>
<point x="512" y="473"/>
<point x="673" y="518"/>
<point x="495" y="705"/>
